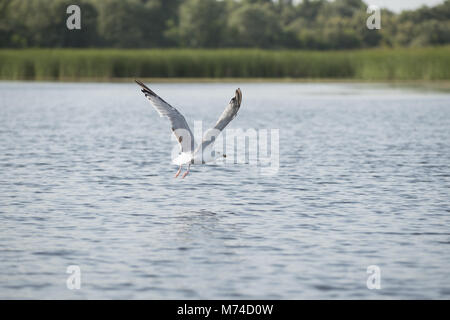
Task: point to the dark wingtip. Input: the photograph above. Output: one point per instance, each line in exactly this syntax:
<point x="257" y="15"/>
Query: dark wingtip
<point x="145" y="89"/>
<point x="140" y="83"/>
<point x="238" y="96"/>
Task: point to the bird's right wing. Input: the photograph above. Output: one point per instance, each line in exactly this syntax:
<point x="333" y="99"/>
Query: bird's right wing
<point x="179" y="127"/>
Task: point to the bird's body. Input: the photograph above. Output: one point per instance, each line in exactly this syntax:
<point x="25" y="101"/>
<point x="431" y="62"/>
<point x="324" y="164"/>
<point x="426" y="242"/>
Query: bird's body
<point x="190" y="154"/>
<point x="183" y="158"/>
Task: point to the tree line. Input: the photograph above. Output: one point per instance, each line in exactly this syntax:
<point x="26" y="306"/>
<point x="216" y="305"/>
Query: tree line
<point x="307" y="24"/>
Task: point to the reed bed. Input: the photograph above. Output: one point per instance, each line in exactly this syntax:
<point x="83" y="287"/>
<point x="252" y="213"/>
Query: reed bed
<point x="104" y="64"/>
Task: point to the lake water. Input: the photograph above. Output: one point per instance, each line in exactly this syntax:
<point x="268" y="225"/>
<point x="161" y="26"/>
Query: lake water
<point x="86" y="180"/>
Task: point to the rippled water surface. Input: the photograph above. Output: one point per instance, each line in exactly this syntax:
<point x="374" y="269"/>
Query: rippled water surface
<point x="86" y="179"/>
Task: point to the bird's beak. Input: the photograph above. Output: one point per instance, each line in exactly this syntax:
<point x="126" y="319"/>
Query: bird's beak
<point x="238" y="96"/>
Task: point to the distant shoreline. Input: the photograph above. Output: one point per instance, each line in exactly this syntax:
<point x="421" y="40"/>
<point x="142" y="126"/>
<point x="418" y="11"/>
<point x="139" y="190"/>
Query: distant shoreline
<point x="433" y="85"/>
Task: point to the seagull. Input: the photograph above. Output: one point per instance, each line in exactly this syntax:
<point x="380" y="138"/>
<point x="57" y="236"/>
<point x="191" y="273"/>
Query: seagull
<point x="189" y="153"/>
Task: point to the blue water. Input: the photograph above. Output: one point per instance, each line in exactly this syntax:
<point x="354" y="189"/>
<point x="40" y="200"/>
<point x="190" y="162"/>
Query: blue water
<point x="86" y="180"/>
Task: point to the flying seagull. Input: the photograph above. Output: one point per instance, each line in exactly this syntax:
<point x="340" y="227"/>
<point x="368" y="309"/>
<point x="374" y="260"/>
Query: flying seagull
<point x="191" y="154"/>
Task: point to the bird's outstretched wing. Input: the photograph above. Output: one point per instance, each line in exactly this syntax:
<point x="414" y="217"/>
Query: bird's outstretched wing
<point x="228" y="114"/>
<point x="179" y="127"/>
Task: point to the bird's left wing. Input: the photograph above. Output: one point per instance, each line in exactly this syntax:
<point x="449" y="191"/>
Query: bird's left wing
<point x="228" y="114"/>
<point x="179" y="127"/>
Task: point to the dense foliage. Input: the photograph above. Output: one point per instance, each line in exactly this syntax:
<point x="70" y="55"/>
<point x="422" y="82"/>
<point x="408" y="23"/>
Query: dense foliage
<point x="311" y="24"/>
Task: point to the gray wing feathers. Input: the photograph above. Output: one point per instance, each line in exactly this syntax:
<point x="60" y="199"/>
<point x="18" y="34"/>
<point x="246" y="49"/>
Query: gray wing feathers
<point x="177" y="121"/>
<point x="228" y="114"/>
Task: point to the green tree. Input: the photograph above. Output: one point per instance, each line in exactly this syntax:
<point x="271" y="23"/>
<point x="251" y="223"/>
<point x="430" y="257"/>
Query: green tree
<point x="255" y="25"/>
<point x="201" y="23"/>
<point x="308" y="24"/>
<point x="46" y="26"/>
<point x="131" y="23"/>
